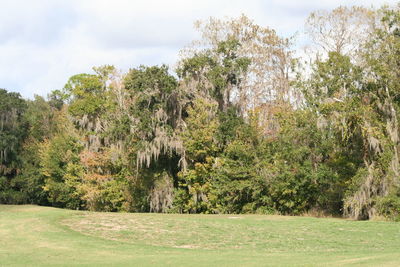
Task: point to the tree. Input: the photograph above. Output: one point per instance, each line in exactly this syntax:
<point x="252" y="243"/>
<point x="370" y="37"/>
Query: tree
<point x="39" y="117"/>
<point x="253" y="62"/>
<point x="379" y="178"/>
<point x="343" y="30"/>
<point x="155" y="110"/>
<point x="12" y="131"/>
<point x="60" y="164"/>
<point x="200" y="148"/>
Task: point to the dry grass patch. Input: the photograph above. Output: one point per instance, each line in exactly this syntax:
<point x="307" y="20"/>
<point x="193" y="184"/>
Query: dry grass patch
<point x="225" y="232"/>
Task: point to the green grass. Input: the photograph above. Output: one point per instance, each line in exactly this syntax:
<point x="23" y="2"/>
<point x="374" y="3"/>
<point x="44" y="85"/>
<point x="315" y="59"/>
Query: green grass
<point x="32" y="236"/>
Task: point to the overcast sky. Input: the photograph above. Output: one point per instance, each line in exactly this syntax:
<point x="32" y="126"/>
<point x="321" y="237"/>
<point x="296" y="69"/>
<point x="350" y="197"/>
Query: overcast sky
<point x="44" y="42"/>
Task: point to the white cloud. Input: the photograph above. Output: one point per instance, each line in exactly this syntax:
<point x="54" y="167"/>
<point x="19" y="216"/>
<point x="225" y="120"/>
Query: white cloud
<point x="44" y="42"/>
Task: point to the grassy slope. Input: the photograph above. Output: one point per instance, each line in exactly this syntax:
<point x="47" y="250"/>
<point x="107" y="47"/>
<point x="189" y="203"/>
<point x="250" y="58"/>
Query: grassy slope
<point x="31" y="235"/>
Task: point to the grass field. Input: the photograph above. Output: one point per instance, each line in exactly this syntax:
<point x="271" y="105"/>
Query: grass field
<point x="42" y="236"/>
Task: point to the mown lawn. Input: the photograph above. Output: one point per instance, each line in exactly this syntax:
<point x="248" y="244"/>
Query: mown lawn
<point x="42" y="236"/>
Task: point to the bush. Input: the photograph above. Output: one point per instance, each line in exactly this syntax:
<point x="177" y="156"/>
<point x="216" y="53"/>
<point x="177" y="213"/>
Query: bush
<point x="12" y="197"/>
<point x="389" y="207"/>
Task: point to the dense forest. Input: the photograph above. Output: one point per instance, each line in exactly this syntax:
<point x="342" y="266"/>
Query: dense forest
<point x="245" y="123"/>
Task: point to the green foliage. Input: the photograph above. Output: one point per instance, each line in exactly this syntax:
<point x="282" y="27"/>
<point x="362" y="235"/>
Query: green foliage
<point x="232" y="132"/>
<point x="335" y="77"/>
<point x="238" y="186"/>
<point x="85" y="93"/>
<point x="39" y="118"/>
<point x="151" y="88"/>
<point x="305" y="167"/>
<point x="229" y="122"/>
<point x="156" y="106"/>
<point x="200" y="151"/>
<point x="151" y="85"/>
<point x="109" y="196"/>
<point x="218" y="71"/>
<point x="60" y="165"/>
<point x="152" y="92"/>
<point x="389" y="206"/>
<point x="12" y="131"/>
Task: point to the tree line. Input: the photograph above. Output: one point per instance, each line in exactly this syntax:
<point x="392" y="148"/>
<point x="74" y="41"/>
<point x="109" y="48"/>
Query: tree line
<point x="243" y="125"/>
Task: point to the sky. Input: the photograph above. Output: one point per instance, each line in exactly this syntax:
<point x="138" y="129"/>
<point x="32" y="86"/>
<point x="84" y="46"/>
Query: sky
<point x="44" y="42"/>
